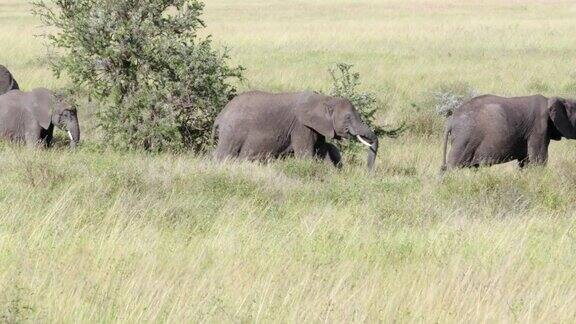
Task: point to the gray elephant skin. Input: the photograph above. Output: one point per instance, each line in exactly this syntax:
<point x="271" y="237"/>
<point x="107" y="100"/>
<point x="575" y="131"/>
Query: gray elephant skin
<point x="488" y="130"/>
<point x="30" y="117"/>
<point x="7" y="81"/>
<point x="258" y="125"/>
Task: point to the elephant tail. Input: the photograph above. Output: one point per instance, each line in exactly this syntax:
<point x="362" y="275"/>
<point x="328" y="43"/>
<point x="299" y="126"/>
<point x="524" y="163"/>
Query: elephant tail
<point x="447" y="131"/>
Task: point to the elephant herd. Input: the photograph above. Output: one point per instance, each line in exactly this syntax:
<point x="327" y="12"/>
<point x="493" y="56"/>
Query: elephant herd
<point x="257" y="125"/>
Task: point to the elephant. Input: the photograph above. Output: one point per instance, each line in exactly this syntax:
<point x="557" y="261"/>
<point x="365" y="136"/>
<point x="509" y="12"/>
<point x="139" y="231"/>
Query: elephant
<point x="7" y="81"/>
<point x="30" y="117"/>
<point x="489" y="129"/>
<point x="258" y="125"/>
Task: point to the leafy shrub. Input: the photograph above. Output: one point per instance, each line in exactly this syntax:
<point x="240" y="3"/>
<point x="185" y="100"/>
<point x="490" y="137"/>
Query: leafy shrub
<point x="344" y="84"/>
<point x="441" y="101"/>
<point x="451" y="96"/>
<point x="159" y="85"/>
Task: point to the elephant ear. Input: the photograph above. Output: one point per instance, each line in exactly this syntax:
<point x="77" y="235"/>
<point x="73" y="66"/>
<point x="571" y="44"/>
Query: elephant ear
<point x="560" y="117"/>
<point x="41" y="104"/>
<point x="317" y="116"/>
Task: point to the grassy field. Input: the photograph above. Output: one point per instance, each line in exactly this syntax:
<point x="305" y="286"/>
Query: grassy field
<point x="90" y="236"/>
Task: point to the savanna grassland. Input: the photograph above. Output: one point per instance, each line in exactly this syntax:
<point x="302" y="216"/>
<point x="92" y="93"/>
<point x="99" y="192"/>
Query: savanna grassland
<point x="99" y="236"/>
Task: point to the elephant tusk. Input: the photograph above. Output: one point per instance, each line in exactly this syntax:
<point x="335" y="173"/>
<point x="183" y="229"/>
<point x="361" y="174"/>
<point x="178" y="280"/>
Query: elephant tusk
<point x="363" y="141"/>
<point x="70" y="135"/>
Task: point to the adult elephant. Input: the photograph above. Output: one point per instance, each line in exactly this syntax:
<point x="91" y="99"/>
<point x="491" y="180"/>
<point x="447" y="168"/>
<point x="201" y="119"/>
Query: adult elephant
<point x="487" y="130"/>
<point x="7" y="81"/>
<point x="259" y="125"/>
<point x="31" y="116"/>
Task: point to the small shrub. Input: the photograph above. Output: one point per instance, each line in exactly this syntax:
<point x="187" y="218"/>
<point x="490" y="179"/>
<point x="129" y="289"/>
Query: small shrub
<point x="449" y="97"/>
<point x="345" y="84"/>
<point x="159" y="85"/>
<point x="441" y="101"/>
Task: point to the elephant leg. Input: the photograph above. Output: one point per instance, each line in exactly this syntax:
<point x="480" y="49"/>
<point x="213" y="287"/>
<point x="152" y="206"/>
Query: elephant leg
<point x="522" y="163"/>
<point x="523" y="157"/>
<point x="461" y="154"/>
<point x="538" y="150"/>
<point x="227" y="150"/>
<point x="46" y="135"/>
<point x="334" y="155"/>
<point x="32" y="136"/>
<point x="303" y="141"/>
<point x="329" y="153"/>
<point x="228" y="147"/>
<point x="251" y="152"/>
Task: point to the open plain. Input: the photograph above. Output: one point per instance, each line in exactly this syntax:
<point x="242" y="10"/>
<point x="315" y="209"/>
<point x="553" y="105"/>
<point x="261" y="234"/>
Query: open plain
<point x="102" y="236"/>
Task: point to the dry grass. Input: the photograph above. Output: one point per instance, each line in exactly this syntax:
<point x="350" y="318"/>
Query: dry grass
<point x="110" y="237"/>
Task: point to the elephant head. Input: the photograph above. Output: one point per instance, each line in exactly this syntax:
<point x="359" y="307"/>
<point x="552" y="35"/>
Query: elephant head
<point x="7" y="81"/>
<point x="54" y="109"/>
<point x="337" y="118"/>
<point x="563" y="116"/>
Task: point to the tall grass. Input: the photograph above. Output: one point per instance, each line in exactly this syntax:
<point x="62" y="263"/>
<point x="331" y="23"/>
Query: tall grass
<point x="111" y="236"/>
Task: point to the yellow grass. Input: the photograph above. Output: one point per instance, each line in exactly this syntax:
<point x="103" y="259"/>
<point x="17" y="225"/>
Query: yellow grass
<point x="110" y="237"/>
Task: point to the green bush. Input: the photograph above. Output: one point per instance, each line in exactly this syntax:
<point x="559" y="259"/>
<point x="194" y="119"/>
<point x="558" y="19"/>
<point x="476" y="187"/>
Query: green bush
<point x="345" y="84"/>
<point x="426" y="117"/>
<point x="159" y="85"/>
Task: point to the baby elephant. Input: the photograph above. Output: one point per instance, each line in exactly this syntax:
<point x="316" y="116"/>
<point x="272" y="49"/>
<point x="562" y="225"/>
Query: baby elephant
<point x="30" y="117"/>
<point x="7" y="82"/>
<point x="260" y="125"/>
<point x="489" y="130"/>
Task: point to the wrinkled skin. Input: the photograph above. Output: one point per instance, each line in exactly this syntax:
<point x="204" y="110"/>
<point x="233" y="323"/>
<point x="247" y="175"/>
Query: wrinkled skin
<point x="259" y="125"/>
<point x="7" y="81"/>
<point x="30" y="117"/>
<point x="488" y="130"/>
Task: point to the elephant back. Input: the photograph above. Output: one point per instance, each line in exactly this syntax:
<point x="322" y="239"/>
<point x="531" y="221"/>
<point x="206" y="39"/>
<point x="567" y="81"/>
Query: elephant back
<point x="7" y="82"/>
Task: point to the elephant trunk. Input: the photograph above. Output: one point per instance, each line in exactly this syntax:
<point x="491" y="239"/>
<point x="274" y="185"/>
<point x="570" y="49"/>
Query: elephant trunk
<point x="73" y="132"/>
<point x="372" y="154"/>
<point x="367" y="137"/>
